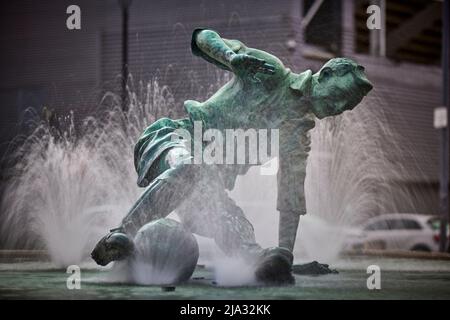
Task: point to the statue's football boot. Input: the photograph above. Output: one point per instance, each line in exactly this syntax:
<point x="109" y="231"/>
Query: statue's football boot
<point x="116" y="245"/>
<point x="274" y="266"/>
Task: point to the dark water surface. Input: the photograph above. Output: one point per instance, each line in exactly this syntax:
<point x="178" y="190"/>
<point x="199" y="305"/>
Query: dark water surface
<point x="400" y="279"/>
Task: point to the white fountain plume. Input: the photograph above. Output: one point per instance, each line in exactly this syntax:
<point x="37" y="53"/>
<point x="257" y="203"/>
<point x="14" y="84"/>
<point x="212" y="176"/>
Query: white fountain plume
<point x="67" y="189"/>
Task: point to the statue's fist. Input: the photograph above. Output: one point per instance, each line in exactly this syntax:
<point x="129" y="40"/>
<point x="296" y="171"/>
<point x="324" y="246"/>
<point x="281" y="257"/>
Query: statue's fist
<point x="114" y="246"/>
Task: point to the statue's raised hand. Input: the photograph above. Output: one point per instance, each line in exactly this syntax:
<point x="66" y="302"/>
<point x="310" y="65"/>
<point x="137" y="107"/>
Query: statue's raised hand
<point x="244" y="64"/>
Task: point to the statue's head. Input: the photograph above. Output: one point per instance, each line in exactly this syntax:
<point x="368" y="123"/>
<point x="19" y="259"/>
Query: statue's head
<point x="114" y="246"/>
<point x="338" y="86"/>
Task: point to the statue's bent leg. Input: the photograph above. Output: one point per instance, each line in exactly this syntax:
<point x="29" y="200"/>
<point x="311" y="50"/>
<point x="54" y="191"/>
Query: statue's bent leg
<point x="224" y="221"/>
<point x="210" y="212"/>
<point x="235" y="235"/>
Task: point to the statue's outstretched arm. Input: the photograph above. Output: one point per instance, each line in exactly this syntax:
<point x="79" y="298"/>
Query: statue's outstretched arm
<point x="209" y="45"/>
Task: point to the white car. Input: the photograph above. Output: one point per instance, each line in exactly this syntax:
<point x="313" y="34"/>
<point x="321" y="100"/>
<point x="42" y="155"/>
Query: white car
<point x="399" y="231"/>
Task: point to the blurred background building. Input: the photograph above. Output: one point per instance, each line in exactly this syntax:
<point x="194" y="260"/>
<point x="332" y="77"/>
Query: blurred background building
<point x="43" y="64"/>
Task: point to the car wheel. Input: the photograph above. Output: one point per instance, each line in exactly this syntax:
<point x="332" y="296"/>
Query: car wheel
<point x="421" y="247"/>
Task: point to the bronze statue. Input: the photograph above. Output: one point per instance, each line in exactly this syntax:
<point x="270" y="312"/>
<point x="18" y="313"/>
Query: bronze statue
<point x="262" y="94"/>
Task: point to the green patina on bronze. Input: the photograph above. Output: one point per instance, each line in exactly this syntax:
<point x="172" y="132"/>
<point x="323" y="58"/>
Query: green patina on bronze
<point x="263" y="94"/>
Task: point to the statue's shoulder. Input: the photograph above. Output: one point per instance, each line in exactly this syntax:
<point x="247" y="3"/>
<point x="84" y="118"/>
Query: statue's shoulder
<point x="235" y="45"/>
<point x="194" y="110"/>
<point x="189" y="104"/>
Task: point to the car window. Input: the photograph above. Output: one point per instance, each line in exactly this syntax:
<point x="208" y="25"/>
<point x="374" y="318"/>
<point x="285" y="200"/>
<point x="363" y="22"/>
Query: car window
<point x="403" y="224"/>
<point x="378" y="225"/>
<point x="394" y="224"/>
<point x="409" y="224"/>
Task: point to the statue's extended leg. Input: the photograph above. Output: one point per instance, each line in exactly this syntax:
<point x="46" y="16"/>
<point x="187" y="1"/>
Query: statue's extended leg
<point x="287" y="229"/>
<point x="173" y="184"/>
<point x="291" y="201"/>
<point x="172" y="180"/>
<point x="287" y="235"/>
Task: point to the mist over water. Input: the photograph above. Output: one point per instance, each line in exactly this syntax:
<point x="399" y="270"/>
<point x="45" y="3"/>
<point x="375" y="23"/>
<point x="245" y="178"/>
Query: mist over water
<point x="68" y="189"/>
<point x="231" y="272"/>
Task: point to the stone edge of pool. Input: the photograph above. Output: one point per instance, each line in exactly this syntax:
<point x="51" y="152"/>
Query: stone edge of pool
<point x="41" y="255"/>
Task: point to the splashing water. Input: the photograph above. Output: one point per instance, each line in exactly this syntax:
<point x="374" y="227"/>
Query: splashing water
<point x="230" y="272"/>
<point x="67" y="190"/>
